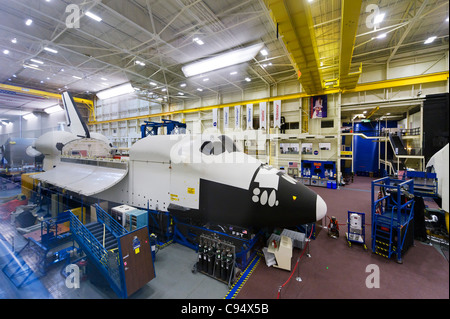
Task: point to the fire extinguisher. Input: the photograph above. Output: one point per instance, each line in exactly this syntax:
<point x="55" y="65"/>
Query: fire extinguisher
<point x="378" y="208"/>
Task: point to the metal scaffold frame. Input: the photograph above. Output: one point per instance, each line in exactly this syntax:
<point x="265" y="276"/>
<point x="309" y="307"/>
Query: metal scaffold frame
<point x="392" y="214"/>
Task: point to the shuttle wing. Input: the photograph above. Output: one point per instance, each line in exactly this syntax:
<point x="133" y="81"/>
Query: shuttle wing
<point x="85" y="177"/>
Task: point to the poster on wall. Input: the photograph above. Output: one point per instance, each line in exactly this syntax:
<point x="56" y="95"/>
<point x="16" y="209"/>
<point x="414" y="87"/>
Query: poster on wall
<point x="237" y="116"/>
<point x="318" y="106"/>
<point x="262" y="114"/>
<point x="277" y="113"/>
<point x="226" y="116"/>
<point x="249" y="116"/>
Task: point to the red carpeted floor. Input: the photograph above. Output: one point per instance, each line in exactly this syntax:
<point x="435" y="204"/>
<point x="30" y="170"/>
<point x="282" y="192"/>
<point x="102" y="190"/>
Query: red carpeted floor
<point x="337" y="271"/>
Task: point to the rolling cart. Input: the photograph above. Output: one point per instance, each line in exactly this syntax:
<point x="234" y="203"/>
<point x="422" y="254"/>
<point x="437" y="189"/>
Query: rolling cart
<point x="356" y="229"/>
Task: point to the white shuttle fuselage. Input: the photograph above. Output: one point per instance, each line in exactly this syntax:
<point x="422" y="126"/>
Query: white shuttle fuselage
<point x="200" y="177"/>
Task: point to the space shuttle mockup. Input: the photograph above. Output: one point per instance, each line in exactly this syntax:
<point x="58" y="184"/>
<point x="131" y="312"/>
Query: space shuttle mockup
<point x="203" y="177"/>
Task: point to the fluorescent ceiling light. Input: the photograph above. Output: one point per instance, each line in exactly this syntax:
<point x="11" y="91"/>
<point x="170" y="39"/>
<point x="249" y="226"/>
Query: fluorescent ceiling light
<point x="247" y="79"/>
<point x="28" y="22"/>
<point x="233" y="73"/>
<point x="381" y="36"/>
<point x="29" y="116"/>
<point x="53" y="109"/>
<point x="153" y="83"/>
<point x="429" y="40"/>
<point x="31" y="66"/>
<point x="5" y="51"/>
<point x="37" y="61"/>
<point x="140" y="63"/>
<point x="205" y="79"/>
<point x="222" y="61"/>
<point x="76" y="77"/>
<point x="14" y="40"/>
<point x="180" y="93"/>
<point x="93" y="16"/>
<point x="198" y="41"/>
<point x="103" y="79"/>
<point x="378" y="18"/>
<point x="50" y="50"/>
<point x="183" y="85"/>
<point x="115" y="91"/>
<point x="264" y="52"/>
<point x="200" y="90"/>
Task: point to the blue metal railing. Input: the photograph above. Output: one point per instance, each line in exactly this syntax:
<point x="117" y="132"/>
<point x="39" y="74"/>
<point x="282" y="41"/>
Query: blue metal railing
<point x="394" y="214"/>
<point x="113" y="226"/>
<point x="107" y="262"/>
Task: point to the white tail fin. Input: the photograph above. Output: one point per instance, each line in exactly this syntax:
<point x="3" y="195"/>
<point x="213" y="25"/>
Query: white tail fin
<point x="75" y="122"/>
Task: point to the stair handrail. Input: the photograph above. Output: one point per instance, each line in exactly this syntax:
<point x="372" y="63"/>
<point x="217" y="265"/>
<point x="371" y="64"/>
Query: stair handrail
<point x="95" y="248"/>
<point x="113" y="226"/>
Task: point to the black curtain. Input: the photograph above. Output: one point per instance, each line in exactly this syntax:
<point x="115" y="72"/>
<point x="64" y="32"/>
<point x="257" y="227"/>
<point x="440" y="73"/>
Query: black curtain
<point x="435" y="123"/>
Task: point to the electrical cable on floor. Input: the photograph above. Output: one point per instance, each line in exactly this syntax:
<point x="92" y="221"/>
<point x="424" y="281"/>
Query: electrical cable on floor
<point x="298" y="260"/>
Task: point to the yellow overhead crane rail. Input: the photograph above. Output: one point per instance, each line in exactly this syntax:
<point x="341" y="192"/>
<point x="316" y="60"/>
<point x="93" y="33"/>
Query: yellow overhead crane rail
<point x="88" y="103"/>
<point x="349" y="24"/>
<point x="379" y="85"/>
<point x="295" y="24"/>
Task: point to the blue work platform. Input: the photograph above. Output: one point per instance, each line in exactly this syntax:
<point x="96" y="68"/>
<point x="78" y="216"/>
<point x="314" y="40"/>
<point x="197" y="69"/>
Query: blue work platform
<point x="392" y="216"/>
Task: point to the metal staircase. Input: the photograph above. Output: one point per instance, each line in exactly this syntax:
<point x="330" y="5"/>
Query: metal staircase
<point x="397" y="144"/>
<point x="99" y="240"/>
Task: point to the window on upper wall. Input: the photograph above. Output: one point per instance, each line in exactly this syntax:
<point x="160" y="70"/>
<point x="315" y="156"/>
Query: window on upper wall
<point x="326" y="124"/>
<point x="293" y="126"/>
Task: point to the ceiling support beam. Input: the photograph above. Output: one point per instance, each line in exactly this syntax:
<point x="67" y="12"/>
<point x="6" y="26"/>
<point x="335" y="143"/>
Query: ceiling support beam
<point x="295" y="25"/>
<point x="408" y="28"/>
<point x="349" y="24"/>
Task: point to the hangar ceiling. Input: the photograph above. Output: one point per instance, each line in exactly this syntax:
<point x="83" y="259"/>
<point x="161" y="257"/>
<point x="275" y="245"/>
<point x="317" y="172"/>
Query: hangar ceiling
<point x="147" y="42"/>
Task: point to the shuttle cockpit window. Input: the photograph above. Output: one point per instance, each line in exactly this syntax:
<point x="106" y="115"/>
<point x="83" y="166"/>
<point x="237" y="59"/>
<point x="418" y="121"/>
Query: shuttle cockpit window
<point x="218" y="147"/>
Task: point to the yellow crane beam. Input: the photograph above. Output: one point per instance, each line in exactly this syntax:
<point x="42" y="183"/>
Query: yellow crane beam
<point x="350" y="13"/>
<point x="295" y="24"/>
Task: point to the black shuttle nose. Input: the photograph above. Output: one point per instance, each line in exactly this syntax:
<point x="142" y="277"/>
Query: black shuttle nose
<point x="290" y="203"/>
<point x="298" y="204"/>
